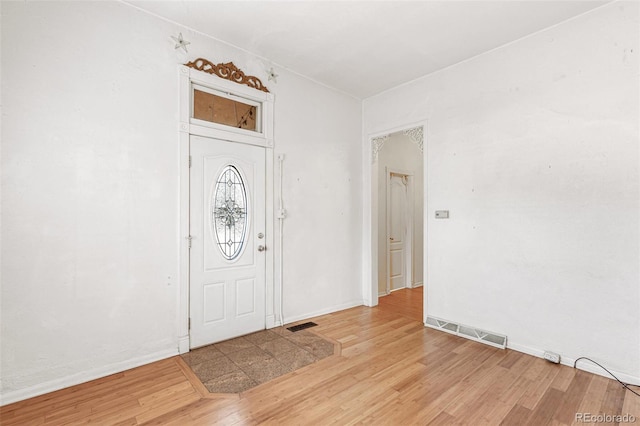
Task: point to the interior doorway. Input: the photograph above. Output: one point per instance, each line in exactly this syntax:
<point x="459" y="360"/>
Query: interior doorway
<point x="398" y="235"/>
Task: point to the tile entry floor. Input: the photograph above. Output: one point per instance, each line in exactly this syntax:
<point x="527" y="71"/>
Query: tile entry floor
<point x="236" y="365"/>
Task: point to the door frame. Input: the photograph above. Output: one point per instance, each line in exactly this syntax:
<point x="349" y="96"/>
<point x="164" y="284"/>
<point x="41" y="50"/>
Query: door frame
<point x="189" y="126"/>
<point x="408" y="242"/>
<point x="370" y="147"/>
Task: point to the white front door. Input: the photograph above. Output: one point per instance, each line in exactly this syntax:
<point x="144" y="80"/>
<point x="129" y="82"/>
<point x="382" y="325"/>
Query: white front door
<point x="397" y="232"/>
<point x="227" y="229"/>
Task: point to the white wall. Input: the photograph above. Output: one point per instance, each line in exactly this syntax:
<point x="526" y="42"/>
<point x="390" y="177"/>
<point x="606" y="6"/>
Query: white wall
<point x="319" y="131"/>
<point x="90" y="190"/>
<point x="534" y="149"/>
<point x="401" y="153"/>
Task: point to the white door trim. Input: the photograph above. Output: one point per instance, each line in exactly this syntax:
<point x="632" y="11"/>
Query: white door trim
<point x="408" y="242"/>
<point x="187" y="126"/>
<point x="370" y="213"/>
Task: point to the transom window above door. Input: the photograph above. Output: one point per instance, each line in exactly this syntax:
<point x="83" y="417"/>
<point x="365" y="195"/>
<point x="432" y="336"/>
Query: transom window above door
<point x="212" y="106"/>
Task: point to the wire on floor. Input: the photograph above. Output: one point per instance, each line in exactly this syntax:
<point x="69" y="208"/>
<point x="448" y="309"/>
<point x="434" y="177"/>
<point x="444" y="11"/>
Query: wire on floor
<point x="625" y="385"/>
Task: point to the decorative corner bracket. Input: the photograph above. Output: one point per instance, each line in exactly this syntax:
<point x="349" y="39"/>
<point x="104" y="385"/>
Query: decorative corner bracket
<point x="377" y="144"/>
<point x="416" y="135"/>
<point x="227" y="71"/>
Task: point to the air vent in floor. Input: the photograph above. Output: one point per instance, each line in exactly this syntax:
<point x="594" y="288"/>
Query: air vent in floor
<point x="482" y="336"/>
<point x="301" y="326"/>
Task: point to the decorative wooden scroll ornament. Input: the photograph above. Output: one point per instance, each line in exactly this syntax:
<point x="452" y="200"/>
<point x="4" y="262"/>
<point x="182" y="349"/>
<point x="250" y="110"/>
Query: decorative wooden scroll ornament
<point x="227" y="71"/>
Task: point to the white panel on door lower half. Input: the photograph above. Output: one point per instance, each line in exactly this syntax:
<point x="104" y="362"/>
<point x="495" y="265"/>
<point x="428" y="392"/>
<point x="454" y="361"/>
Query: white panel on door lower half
<point x="397" y="268"/>
<point x="213" y="298"/>
<point x="245" y="297"/>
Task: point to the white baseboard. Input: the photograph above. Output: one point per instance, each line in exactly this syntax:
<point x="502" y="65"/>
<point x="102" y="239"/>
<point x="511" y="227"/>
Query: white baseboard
<point x="184" y="344"/>
<point x="271" y="321"/>
<point x="582" y="365"/>
<point x="330" y="310"/>
<point x="418" y="284"/>
<point x="82" y="377"/>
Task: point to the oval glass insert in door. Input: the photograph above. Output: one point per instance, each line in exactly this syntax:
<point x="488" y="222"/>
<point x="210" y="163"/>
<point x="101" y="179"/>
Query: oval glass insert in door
<point x="229" y="217"/>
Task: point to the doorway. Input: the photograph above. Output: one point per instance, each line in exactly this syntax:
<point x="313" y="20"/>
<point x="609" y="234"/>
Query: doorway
<point x="226" y="233"/>
<point x="227" y="230"/>
<point x="397" y="215"/>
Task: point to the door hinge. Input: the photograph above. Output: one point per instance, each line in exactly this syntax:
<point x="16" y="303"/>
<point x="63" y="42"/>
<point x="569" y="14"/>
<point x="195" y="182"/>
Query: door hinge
<point x="189" y="161"/>
<point x="189" y="324"/>
<point x="189" y="238"/>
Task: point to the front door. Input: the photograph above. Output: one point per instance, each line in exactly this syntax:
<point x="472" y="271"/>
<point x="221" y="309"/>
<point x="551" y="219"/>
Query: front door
<point x="227" y="229"/>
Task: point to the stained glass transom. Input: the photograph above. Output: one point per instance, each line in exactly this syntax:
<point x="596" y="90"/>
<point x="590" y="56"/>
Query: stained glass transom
<point x="229" y="212"/>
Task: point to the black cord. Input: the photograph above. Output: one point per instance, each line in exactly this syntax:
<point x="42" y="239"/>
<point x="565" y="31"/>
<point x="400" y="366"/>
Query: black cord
<point x="625" y="385"/>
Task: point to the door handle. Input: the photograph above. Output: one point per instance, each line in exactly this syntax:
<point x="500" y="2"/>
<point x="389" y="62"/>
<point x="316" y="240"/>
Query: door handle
<point x="262" y="248"/>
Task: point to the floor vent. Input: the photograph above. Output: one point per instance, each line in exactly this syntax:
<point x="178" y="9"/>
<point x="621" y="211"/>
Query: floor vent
<point x="482" y="336"/>
<point x="301" y="326"/>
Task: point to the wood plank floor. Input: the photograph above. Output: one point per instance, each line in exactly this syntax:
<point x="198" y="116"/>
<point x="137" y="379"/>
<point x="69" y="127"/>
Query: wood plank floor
<point x="407" y="303"/>
<point x="391" y="371"/>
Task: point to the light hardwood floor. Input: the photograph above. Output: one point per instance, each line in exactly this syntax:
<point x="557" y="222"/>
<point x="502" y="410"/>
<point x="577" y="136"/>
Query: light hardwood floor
<point x="391" y="371"/>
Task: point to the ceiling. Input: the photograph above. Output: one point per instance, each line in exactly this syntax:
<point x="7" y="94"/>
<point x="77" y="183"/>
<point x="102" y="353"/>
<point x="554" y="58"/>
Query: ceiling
<point x="365" y="47"/>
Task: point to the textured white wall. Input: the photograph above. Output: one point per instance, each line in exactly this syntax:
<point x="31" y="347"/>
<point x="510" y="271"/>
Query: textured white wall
<point x="90" y="190"/>
<point x="534" y="149"/>
<point x="319" y="132"/>
<point x="400" y="153"/>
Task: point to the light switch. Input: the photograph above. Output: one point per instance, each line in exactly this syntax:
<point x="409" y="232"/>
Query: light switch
<point x="442" y="214"/>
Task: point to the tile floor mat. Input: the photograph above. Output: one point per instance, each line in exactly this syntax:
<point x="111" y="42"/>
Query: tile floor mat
<point x="236" y="365"/>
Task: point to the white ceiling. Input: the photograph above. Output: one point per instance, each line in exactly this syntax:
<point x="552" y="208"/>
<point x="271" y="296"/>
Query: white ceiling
<point x="365" y="47"/>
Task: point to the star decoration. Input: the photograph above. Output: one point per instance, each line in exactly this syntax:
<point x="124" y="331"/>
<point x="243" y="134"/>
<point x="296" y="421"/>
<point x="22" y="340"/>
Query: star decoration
<point x="272" y="75"/>
<point x="180" y="42"/>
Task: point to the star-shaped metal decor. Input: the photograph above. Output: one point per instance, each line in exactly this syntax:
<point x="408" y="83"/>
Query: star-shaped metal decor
<point x="272" y="75"/>
<point x="180" y="42"/>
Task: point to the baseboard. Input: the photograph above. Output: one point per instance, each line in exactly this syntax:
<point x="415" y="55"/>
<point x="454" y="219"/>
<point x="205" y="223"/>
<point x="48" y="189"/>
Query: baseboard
<point x="342" y="307"/>
<point x="271" y="322"/>
<point x="184" y="344"/>
<point x="419" y="284"/>
<point x="582" y="365"/>
<point x="83" y="377"/>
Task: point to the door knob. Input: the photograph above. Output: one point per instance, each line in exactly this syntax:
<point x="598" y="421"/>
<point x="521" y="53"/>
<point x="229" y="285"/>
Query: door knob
<point x="261" y="248"/>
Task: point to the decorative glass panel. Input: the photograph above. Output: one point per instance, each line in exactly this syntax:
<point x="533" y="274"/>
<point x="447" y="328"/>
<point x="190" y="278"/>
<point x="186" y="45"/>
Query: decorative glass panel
<point x="221" y="110"/>
<point x="229" y="212"/>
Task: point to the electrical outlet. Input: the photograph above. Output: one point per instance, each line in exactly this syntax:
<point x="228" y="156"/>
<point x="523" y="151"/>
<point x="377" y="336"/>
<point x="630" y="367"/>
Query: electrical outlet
<point x="552" y="357"/>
